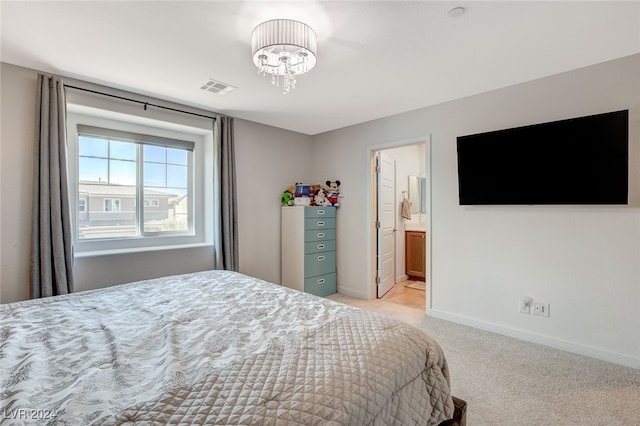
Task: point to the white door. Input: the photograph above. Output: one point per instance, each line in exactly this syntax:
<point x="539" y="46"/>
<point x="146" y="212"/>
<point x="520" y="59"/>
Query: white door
<point x="386" y="222"/>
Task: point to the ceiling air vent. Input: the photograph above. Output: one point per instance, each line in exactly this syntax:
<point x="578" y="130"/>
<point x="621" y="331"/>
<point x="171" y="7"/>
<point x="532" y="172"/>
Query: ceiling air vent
<point x="218" y="87"/>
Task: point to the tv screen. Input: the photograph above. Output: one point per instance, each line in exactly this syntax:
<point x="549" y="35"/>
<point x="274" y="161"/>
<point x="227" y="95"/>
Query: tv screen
<point x="577" y="161"/>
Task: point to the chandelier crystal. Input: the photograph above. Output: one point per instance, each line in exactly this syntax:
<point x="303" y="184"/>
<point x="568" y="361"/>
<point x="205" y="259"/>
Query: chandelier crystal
<point x="283" y="48"/>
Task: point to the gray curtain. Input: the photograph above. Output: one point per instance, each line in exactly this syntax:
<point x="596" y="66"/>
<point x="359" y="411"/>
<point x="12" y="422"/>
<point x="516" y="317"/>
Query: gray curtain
<point x="226" y="221"/>
<point x="51" y="250"/>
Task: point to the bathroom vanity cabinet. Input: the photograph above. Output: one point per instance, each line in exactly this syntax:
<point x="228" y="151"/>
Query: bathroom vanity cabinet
<point x="415" y="255"/>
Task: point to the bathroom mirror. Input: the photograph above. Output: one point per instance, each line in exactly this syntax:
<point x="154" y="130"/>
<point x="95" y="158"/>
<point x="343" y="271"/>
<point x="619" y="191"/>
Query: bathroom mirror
<point x="416" y="194"/>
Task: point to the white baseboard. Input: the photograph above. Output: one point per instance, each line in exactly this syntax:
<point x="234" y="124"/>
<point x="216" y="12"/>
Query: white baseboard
<point x="577" y="348"/>
<point x="351" y="292"/>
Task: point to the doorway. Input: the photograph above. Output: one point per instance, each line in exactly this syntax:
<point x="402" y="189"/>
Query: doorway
<point x="395" y="167"/>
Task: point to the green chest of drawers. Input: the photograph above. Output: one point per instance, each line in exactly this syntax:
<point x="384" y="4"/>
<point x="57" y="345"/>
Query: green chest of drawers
<point x="309" y="249"/>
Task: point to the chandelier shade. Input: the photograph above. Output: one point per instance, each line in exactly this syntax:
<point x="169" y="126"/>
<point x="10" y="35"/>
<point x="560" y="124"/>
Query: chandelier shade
<point x="283" y="48"/>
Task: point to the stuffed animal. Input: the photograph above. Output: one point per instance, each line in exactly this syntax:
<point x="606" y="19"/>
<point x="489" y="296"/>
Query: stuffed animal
<point x="313" y="192"/>
<point x="333" y="192"/>
<point x="319" y="199"/>
<point x="287" y="197"/>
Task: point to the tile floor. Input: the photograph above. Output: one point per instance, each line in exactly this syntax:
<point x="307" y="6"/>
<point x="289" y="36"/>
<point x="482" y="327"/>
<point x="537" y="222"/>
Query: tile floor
<point x="402" y="295"/>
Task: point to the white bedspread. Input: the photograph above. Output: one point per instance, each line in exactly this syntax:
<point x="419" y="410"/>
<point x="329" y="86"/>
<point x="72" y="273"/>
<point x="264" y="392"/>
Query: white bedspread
<point x="214" y="347"/>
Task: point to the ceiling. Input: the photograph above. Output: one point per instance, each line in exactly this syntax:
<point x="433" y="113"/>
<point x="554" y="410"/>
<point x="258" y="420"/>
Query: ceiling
<point x="375" y="59"/>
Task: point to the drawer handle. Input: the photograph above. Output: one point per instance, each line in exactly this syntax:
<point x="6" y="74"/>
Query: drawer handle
<point x="321" y="281"/>
<point x="320" y="258"/>
<point x="320" y="246"/>
<point x="320" y="223"/>
<point x="320" y="211"/>
<point x="320" y="234"/>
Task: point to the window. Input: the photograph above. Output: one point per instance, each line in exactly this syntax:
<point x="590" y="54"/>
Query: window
<point x="140" y="183"/>
<point x="111" y="205"/>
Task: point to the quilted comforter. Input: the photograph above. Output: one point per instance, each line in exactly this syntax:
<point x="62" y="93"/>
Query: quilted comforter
<point x="214" y="347"/>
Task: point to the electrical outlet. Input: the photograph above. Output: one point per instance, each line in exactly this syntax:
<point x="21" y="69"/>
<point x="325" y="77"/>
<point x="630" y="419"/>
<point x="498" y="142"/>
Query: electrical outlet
<point x="541" y="309"/>
<point x="525" y="304"/>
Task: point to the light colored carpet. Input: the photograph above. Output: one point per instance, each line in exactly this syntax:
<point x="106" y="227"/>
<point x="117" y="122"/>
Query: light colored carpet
<point x="506" y="381"/>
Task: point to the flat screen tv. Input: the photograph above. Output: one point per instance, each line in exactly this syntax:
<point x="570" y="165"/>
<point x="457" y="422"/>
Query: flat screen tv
<point x="577" y="161"/>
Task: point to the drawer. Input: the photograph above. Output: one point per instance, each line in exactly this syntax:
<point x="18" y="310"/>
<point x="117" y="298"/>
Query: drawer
<point x="319" y="263"/>
<point x="320" y="223"/>
<point x="320" y="235"/>
<point x="313" y="212"/>
<point x="323" y="285"/>
<point x="319" y="246"/>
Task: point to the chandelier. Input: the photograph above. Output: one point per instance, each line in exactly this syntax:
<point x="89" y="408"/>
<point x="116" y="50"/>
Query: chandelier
<point x="283" y="48"/>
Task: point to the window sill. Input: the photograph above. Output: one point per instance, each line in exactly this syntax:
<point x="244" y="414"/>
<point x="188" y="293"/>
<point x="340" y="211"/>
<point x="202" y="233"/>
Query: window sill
<point x="111" y="252"/>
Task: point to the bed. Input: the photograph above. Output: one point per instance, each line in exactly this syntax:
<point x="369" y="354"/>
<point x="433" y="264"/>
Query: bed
<point x="214" y="347"/>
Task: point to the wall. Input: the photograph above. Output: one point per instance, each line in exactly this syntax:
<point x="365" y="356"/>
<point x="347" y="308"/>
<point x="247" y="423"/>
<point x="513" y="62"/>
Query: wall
<point x="18" y="95"/>
<point x="268" y="161"/>
<point x="583" y="260"/>
<point x="261" y="178"/>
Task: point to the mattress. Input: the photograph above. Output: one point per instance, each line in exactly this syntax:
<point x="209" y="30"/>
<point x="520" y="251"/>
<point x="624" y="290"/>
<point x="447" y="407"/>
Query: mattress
<point x="214" y="347"/>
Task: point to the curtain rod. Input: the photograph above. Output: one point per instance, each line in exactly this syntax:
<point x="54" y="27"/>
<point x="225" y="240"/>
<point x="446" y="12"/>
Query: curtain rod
<point x="146" y="104"/>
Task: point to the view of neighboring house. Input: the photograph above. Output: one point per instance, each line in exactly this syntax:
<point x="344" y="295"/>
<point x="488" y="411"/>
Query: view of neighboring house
<point x="110" y="210"/>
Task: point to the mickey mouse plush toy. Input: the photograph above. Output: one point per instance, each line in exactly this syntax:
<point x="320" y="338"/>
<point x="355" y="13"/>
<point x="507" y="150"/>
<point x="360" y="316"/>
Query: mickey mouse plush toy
<point x="333" y="192"/>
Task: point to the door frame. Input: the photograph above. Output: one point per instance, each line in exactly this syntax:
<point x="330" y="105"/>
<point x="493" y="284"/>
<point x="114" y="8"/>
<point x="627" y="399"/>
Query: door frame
<point x="371" y="216"/>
